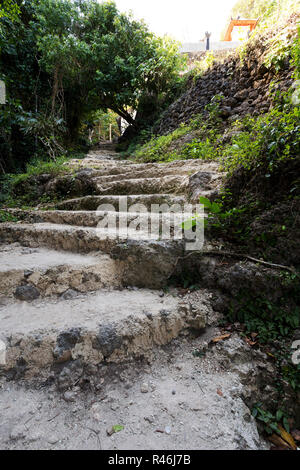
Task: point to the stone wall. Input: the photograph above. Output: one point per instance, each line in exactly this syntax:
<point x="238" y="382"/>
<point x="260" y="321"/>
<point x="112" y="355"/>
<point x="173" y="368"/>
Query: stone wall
<point x="244" y="84"/>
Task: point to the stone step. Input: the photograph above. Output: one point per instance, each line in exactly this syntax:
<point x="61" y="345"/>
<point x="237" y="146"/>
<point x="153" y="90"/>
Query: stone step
<point x="93" y="218"/>
<point x="29" y="273"/>
<point x="165" y="184"/>
<point x="112" y="173"/>
<point x="106" y="326"/>
<point x="144" y="262"/>
<point x="92" y="203"/>
<point x="121" y="167"/>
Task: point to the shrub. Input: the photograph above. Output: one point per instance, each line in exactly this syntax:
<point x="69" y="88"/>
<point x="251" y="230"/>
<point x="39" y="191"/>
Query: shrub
<point x="264" y="141"/>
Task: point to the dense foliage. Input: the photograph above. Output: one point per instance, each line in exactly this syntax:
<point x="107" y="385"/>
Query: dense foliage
<point x="62" y="60"/>
<point x="9" y="9"/>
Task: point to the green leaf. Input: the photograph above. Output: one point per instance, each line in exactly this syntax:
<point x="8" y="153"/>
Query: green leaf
<point x="215" y="208"/>
<point x="286" y="424"/>
<point x="118" y="428"/>
<point x="206" y="202"/>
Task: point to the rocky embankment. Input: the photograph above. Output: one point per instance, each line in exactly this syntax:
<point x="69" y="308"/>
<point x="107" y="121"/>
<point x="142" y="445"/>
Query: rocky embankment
<point x="244" y="81"/>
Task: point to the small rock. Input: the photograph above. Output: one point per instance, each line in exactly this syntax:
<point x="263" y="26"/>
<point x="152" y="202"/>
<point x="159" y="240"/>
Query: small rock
<point x="167" y="430"/>
<point x="27" y="272"/>
<point x="52" y="439"/>
<point x="150" y="419"/>
<point x="144" y="388"/>
<point x="34" y="436"/>
<point x="69" y="396"/>
<point x="247" y="416"/>
<point x="17" y="432"/>
<point x="69" y="294"/>
<point x="110" y="431"/>
<point x="173" y="392"/>
<point x="27" y="293"/>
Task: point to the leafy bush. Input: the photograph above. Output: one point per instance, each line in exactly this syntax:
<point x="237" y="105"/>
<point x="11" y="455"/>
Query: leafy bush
<point x="38" y="167"/>
<point x="271" y="322"/>
<point x="295" y="56"/>
<point x="270" y="421"/>
<point x="264" y="141"/>
<point x="269" y="11"/>
<point x="204" y="148"/>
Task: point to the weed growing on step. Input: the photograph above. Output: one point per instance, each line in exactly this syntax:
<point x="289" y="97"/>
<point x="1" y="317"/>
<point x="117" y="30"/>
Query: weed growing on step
<point x="7" y="217"/>
<point x="269" y="420"/>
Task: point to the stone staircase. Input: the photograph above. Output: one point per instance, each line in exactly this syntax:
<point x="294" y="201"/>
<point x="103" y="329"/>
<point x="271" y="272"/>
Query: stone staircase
<point x="64" y="276"/>
<point x="83" y="316"/>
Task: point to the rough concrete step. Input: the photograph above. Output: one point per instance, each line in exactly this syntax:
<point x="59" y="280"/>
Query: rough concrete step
<point x="92" y="203"/>
<point x="107" y="326"/>
<point x="143" y="262"/>
<point x="114" y="167"/>
<point x="113" y="173"/>
<point x="165" y="184"/>
<point x="93" y="218"/>
<point x="29" y="273"/>
<point x="78" y="239"/>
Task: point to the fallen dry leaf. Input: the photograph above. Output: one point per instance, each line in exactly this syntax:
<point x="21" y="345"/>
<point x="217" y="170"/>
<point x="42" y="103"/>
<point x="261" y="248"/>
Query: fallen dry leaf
<point x="251" y="343"/>
<point x="220" y="338"/>
<point x="287" y="437"/>
<point x="278" y="442"/>
<point x="219" y="392"/>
